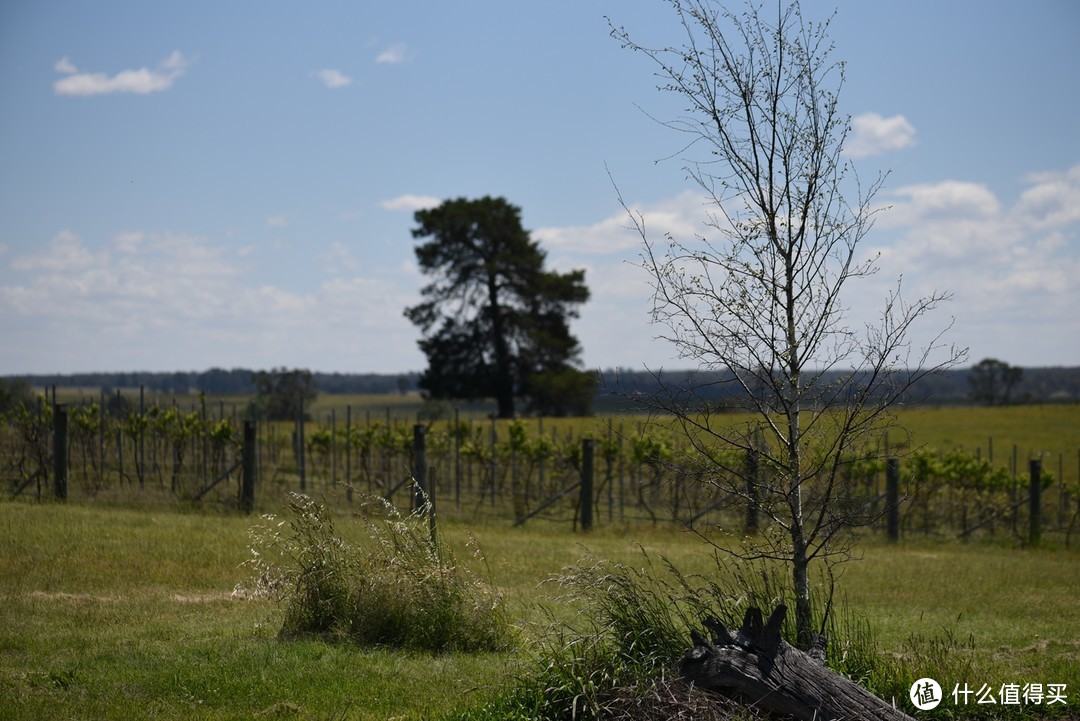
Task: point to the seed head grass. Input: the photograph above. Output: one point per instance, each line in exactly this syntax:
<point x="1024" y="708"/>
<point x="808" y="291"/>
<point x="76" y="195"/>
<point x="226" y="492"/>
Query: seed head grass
<point x="392" y="585"/>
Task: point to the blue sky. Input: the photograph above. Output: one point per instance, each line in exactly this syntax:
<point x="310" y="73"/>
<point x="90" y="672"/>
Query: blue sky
<point x="198" y="184"/>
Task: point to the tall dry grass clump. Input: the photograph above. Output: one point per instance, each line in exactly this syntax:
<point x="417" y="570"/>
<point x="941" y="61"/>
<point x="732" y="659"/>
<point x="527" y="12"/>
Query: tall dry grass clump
<point x="618" y="659"/>
<point x="393" y="586"/>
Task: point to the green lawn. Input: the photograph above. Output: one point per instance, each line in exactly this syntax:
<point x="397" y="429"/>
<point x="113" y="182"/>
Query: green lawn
<point x="119" y="614"/>
<point x="1032" y="429"/>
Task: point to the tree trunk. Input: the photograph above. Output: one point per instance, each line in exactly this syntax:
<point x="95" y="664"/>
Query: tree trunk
<point x="504" y="380"/>
<point x="755" y="664"/>
<point x="800" y="565"/>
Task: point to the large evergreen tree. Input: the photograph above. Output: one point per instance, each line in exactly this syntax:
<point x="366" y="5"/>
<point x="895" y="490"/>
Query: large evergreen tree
<point x="495" y="322"/>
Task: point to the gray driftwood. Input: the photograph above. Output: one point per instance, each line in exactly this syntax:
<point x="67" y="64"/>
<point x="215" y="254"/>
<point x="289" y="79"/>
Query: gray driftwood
<point x="754" y="663"/>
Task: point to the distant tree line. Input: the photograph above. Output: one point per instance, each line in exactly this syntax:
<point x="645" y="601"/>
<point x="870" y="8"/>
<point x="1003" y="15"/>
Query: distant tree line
<point x="615" y="387"/>
<point x="989" y="382"/>
<point x="219" y="381"/>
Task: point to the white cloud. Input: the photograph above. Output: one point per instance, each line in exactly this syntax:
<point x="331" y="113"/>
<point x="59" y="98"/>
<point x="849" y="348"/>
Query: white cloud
<point x="176" y="61"/>
<point x="172" y="301"/>
<point x="332" y="78"/>
<point x="614" y="326"/>
<point x="64" y="65"/>
<point x="411" y="202"/>
<point x="1010" y="268"/>
<point x="961" y="229"/>
<point x="270" y="299"/>
<point x="68" y="278"/>
<point x="392" y="55"/>
<point x="140" y="82"/>
<point x="683" y="216"/>
<point x="945" y="201"/>
<point x="875" y="135"/>
<point x="338" y="258"/>
<point x="66" y="252"/>
<point x="128" y="242"/>
<point x="275" y="221"/>
<point x="166" y="301"/>
<point x="1053" y="200"/>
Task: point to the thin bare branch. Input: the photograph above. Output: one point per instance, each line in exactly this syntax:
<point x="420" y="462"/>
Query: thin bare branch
<point x="759" y="297"/>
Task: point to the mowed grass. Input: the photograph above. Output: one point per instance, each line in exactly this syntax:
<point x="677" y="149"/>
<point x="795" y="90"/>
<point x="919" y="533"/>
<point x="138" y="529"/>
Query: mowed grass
<point x="118" y="614"/>
<point x="125" y="614"/>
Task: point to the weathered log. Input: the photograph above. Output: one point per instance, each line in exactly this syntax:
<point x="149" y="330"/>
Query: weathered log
<point x="755" y="664"/>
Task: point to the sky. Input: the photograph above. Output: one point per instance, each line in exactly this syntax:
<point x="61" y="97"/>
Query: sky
<point x="232" y="184"/>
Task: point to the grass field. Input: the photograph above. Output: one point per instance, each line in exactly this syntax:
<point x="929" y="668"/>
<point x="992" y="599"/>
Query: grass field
<point x="119" y="614"/>
<point x="1033" y="429"/>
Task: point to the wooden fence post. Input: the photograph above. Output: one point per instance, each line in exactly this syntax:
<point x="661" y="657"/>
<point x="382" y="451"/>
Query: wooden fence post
<point x="423" y="492"/>
<point x="609" y="472"/>
<point x="457" y="458"/>
<point x="540" y="464"/>
<point x="586" y="483"/>
<point x="119" y="438"/>
<point x="248" y="469"/>
<point x="60" y="452"/>
<point x="300" y="449"/>
<point x="1035" y="501"/>
<point x="494" y="452"/>
<point x="333" y="447"/>
<point x="419" y="467"/>
<point x="348" y="453"/>
<point x="140" y="467"/>
<point x="892" y="499"/>
<point x="622" y="488"/>
<point x="101" y="442"/>
<point x="1015" y="487"/>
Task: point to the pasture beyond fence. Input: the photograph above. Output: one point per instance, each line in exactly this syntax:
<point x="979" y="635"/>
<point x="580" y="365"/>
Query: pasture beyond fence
<point x="620" y="470"/>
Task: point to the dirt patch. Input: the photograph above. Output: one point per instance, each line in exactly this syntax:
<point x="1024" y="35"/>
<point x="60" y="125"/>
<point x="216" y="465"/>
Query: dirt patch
<point x="82" y="599"/>
<point x="203" y="597"/>
<point x="75" y="598"/>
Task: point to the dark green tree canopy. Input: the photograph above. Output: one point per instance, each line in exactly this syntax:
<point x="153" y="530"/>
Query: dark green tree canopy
<point x="495" y="322"/>
<point x="992" y="381"/>
<point x="282" y="394"/>
<point x="15" y="392"/>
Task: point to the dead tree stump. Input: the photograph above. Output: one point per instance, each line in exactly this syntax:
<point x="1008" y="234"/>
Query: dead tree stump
<point x="754" y="663"/>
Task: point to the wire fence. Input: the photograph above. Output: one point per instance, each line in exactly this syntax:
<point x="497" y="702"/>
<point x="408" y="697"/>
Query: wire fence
<point x="616" y="470"/>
